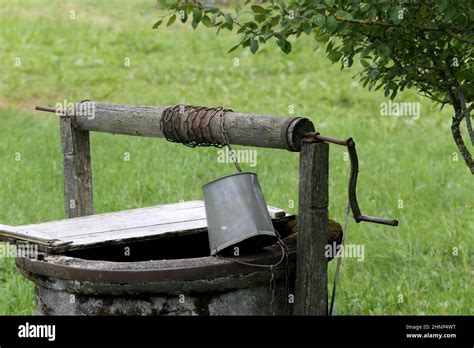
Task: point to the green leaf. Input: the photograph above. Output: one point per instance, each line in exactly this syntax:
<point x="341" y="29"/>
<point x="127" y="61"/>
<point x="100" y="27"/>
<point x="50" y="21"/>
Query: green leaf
<point x="364" y="7"/>
<point x="253" y="45"/>
<point x="162" y="4"/>
<point x="274" y="21"/>
<point x="213" y="18"/>
<point x="334" y="56"/>
<point x="197" y="15"/>
<point x="229" y="21"/>
<point x="319" y="20"/>
<point x="238" y="8"/>
<point x="378" y="86"/>
<point x="307" y="28"/>
<point x="258" y="9"/>
<point x="252" y="25"/>
<point x="395" y="14"/>
<point x="374" y="73"/>
<point x="450" y="13"/>
<point x="442" y="4"/>
<point x="394" y="93"/>
<point x="371" y="85"/>
<point x="329" y="3"/>
<point x="462" y="21"/>
<point x="184" y="18"/>
<point x="372" y="13"/>
<point x="242" y="29"/>
<point x="260" y="18"/>
<point x="207" y="21"/>
<point x="383" y="51"/>
<point x="171" y="20"/>
<point x="330" y="46"/>
<point x="344" y="14"/>
<point x="331" y="23"/>
<point x="157" y="24"/>
<point x="233" y="48"/>
<point x="219" y="26"/>
<point x="284" y="45"/>
<point x="432" y="25"/>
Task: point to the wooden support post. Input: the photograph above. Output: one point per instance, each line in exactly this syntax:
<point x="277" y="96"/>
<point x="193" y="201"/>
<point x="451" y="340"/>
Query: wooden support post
<point x="76" y="168"/>
<point x="311" y="264"/>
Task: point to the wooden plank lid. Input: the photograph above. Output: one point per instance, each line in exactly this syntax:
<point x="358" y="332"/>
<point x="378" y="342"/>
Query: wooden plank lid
<point x="162" y="221"/>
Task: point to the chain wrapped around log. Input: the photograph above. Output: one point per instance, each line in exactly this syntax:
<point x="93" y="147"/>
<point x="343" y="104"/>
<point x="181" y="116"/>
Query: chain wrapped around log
<point x="190" y="125"/>
<point x="242" y="128"/>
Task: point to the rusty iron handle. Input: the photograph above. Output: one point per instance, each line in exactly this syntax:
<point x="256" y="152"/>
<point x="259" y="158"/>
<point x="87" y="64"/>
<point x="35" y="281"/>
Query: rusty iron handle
<point x="352" y="187"/>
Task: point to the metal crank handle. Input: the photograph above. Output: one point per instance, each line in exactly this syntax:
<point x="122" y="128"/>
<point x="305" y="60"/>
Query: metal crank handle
<point x="358" y="217"/>
<point x="352" y="187"/>
<point x="376" y="220"/>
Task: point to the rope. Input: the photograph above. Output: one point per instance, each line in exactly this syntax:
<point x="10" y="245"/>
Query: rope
<point x="332" y="308"/>
<point x="283" y="253"/>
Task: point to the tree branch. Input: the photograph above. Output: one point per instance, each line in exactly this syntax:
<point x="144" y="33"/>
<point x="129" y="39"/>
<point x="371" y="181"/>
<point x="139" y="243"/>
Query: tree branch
<point x="456" y="101"/>
<point x="458" y="36"/>
<point x="465" y="110"/>
<point x="469" y="125"/>
<point x="449" y="31"/>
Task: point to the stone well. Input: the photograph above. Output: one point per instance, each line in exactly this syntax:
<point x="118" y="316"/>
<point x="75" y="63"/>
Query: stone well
<point x="96" y="283"/>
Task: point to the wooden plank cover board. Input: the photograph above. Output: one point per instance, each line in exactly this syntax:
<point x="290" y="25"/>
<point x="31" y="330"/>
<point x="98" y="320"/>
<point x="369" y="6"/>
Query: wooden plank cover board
<point x="125" y="226"/>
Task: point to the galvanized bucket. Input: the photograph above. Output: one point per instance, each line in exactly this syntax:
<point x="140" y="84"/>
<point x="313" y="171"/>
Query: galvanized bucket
<point x="237" y="214"/>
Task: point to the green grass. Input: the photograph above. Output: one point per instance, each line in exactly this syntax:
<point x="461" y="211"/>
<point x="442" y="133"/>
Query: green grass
<point x="400" y="158"/>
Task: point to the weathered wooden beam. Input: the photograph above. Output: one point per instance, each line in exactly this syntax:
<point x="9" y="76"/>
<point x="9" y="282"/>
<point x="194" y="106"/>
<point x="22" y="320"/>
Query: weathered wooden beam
<point x="243" y="129"/>
<point x="311" y="263"/>
<point x="14" y="234"/>
<point x="77" y="169"/>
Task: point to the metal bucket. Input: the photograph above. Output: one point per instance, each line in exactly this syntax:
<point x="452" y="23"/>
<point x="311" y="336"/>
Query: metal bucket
<point x="237" y="214"/>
